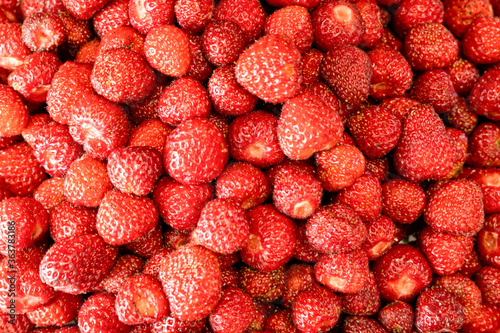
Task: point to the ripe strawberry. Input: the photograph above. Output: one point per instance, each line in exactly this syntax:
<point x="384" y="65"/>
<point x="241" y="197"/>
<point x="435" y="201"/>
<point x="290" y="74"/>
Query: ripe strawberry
<point x="122" y="218"/>
<point x="227" y="95"/>
<point x="463" y="75"/>
<point x="148" y="244"/>
<point x="29" y="7"/>
<point x="83" y="10"/>
<point x="78" y="264"/>
<point x="122" y="37"/>
<point x="200" y="67"/>
<point x="298" y="277"/>
<point x="167" y="50"/>
<point x="234" y="313"/>
<point x="488" y="281"/>
<point x="311" y="62"/>
<point x="437" y="310"/>
<point x="14" y="116"/>
<point x="78" y="31"/>
<point x="424" y="55"/>
<point x="248" y="14"/>
<point x="460" y="141"/>
<point x="488" y="245"/>
<point x="348" y="71"/>
<point x="272" y="239"/>
<point x="171" y="324"/>
<point x="408" y="14"/>
<point x="280" y="321"/>
<point x="6" y="141"/>
<point x="337" y="23"/>
<point x="423" y="152"/>
<point x="402" y="273"/>
<point x="335" y="228"/>
<point x="222" y="42"/>
<point x="191" y="280"/>
<point x="389" y="39"/>
<point x="397" y="317"/>
<point x="403" y="201"/>
<point x="278" y="61"/>
<point x="43" y="32"/>
<point x="434" y="87"/>
<point x="483" y="149"/>
<point x="185" y="98"/>
<point x="126" y="266"/>
<point x="147" y="16"/>
<point x="354" y="324"/>
<point x="462" y="117"/>
<point x="260" y="285"/>
<point x="400" y="106"/>
<point x="154" y="262"/>
<point x="147" y="108"/>
<point x="61" y="310"/>
<point x="113" y="15"/>
<point x="15" y="323"/>
<point x="471" y="264"/>
<point x="150" y="133"/>
<point x="364" y="196"/>
<point x="483" y="95"/>
<point x="86" y="182"/>
<point x="370" y="12"/>
<point x="50" y="192"/>
<point x="202" y="159"/>
<point x="13" y="51"/>
<point x="459" y="14"/>
<point x="316" y="309"/>
<point x="309" y="4"/>
<point x="456" y="208"/>
<point x="98" y="314"/>
<point x="481" y="42"/>
<point x="365" y="302"/>
<point x="304" y="251"/>
<point x="380" y="237"/>
<point x="68" y="221"/>
<point x="229" y="277"/>
<point x="193" y="15"/>
<point x="487" y="320"/>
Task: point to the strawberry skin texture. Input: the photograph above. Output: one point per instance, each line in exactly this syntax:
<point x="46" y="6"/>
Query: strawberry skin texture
<point x="98" y="314"/>
<point x="233" y="313"/>
<point x="68" y="220"/>
<point x="61" y="310"/>
<point x="77" y="265"/>
<point x="14" y="116"/>
<point x="481" y="41"/>
<point x="484" y="95"/>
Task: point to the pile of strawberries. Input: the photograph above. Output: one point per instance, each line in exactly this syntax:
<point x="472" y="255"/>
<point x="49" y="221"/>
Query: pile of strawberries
<point x="237" y="166"/>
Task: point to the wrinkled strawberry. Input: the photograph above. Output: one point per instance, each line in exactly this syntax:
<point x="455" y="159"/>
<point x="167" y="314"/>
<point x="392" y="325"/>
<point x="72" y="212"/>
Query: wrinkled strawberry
<point x="98" y="314"/>
<point x="61" y="310"/>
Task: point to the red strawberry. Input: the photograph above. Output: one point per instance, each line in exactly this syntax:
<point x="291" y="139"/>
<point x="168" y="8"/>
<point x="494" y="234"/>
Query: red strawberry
<point x="78" y="31"/>
<point x="484" y="149"/>
<point x="363" y="303"/>
<point x="234" y="313"/>
<point x="463" y="75"/>
<point x="227" y="95"/>
<point x="348" y="71"/>
<point x="402" y="273"/>
<point x="148" y="244"/>
<point x="339" y="167"/>
<point x="354" y="324"/>
<point x="78" y="264"/>
<point x="424" y="151"/>
<point x="29" y="7"/>
<point x="278" y="63"/>
<point x="43" y="32"/>
<point x="335" y="228"/>
<point x="98" y="314"/>
<point x="171" y="324"/>
<point x="191" y="280"/>
<point x="154" y="262"/>
<point x="459" y="14"/>
<point x="343" y="272"/>
<point x="403" y="201"/>
<point x="389" y="39"/>
<point x="488" y="281"/>
<point x="86" y="182"/>
<point x="83" y="10"/>
<point x="61" y="310"/>
<point x="488" y="244"/>
<point x="15" y="323"/>
<point x="397" y="317"/>
<point x="364" y="196"/>
<point x="400" y="106"/>
<point x="150" y="133"/>
<point x="434" y="87"/>
<point x="131" y="75"/>
<point x="147" y="16"/>
<point x="180" y="205"/>
<point x="113" y="15"/>
<point x="456" y="208"/>
<point x="14" y="116"/>
<point x="126" y="266"/>
<point x="378" y="167"/>
<point x="311" y="62"/>
<point x="471" y="264"/>
<point x="50" y="192"/>
<point x="202" y="159"/>
<point x="122" y="37"/>
<point x="424" y="55"/>
<point x="380" y="237"/>
<point x="200" y="68"/>
<point x="193" y="15"/>
<point x="462" y="117"/>
<point x="304" y="251"/>
<point x="297" y="278"/>
<point x="309" y="4"/>
<point x="316" y="309"/>
<point x="483" y="96"/>
<point x="272" y="239"/>
<point x="280" y="321"/>
<point x="122" y="218"/>
<point x="460" y="141"/>
<point x="12" y="49"/>
<point x="134" y="170"/>
<point x="67" y="221"/>
<point x="481" y="41"/>
<point x="222" y="42"/>
<point x="370" y="12"/>
<point x="337" y="23"/>
<point x="408" y="14"/>
<point x="185" y="98"/>
<point x="253" y="138"/>
<point x="260" y="285"/>
<point x="487" y="320"/>
<point x="167" y="50"/>
<point x="437" y="310"/>
<point x="147" y="108"/>
<point x="248" y="14"/>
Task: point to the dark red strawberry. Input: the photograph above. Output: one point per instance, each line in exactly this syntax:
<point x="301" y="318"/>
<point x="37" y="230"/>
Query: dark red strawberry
<point x="434" y="87"/>
<point x="43" y="32"/>
<point x="483" y="96"/>
<point x="113" y="15"/>
<point x="481" y="41"/>
<point x="437" y="310"/>
<point x="297" y="278"/>
<point x="260" y="285"/>
<point x="484" y="148"/>
<point x="353" y="324"/>
<point x="234" y="313"/>
<point x="68" y="220"/>
<point x="50" y="192"/>
<point x="13" y="51"/>
<point x="408" y="14"/>
<point x="150" y="133"/>
<point x="78" y="31"/>
<point x="363" y="303"/>
<point x="471" y="264"/>
<point x="397" y="317"/>
<point x="488" y="281"/>
<point x="147" y="108"/>
<point x="200" y="68"/>
<point x="304" y="251"/>
<point x="15" y="116"/>
<point x="487" y="320"/>
<point x="222" y="42"/>
<point x="98" y="314"/>
<point x="280" y="321"/>
<point x="462" y="117"/>
<point x="126" y="266"/>
<point x="311" y="62"/>
<point x="61" y="310"/>
<point x="488" y="244"/>
<point x="146" y="16"/>
<point x="309" y="4"/>
<point x="403" y="201"/>
<point x="463" y="75"/>
<point x="248" y="14"/>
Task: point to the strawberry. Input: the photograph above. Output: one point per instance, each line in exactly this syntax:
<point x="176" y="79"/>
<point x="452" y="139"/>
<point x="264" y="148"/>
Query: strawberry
<point x="233" y="313"/>
<point x="434" y="87"/>
<point x="150" y="133"/>
<point x="408" y="14"/>
<point x="335" y="228"/>
<point x="244" y="184"/>
<point x="122" y="37"/>
<point x="304" y="251"/>
<point x="180" y="205"/>
<point x="229" y="277"/>
<point x="126" y="266"/>
<point x="86" y="182"/>
<point x="191" y="280"/>
<point x="488" y="281"/>
<point x="481" y="42"/>
<point x="348" y="71"/>
<point x="122" y="218"/>
<point x="455" y="208"/>
<point x="113" y="15"/>
<point x="83" y="10"/>
<point x="153" y="263"/>
<point x="400" y="106"/>
<point x="463" y="75"/>
<point x="380" y="237"/>
<point x="403" y="201"/>
<point x="15" y="323"/>
<point x="98" y="314"/>
<point x="337" y="23"/>
<point x="461" y="143"/>
<point x="200" y="67"/>
<point x="293" y="21"/>
<point x="29" y="7"/>
<point x="422" y="54"/>
<point x="131" y="75"/>
<point x="471" y="264"/>
<point x="354" y="324"/>
<point x="43" y="32"/>
<point x="423" y="152"/>
<point x="32" y="79"/>
<point x="248" y="14"/>
<point x="61" y="310"/>
<point x="185" y="98"/>
<point x="363" y="303"/>
<point x="50" y="192"/>
<point x="134" y="170"/>
<point x="279" y="68"/>
<point x="148" y="244"/>
<point x="14" y="116"/>
<point x="78" y="31"/>
<point x="193" y="15"/>
<point x="487" y="320"/>
<point x="389" y="39"/>
<point x="280" y="321"/>
<point x="309" y="4"/>
<point x="78" y="264"/>
<point x="227" y="95"/>
<point x="437" y="310"/>
<point x="364" y="196"/>
<point x="68" y="329"/>
<point x="316" y="309"/>
<point x="459" y="14"/>
<point x="222" y="42"/>
<point x="202" y="159"/>
<point x="171" y="324"/>
<point x="488" y="245"/>
<point x="272" y="239"/>
<point x="397" y="317"/>
<point x="462" y="117"/>
<point x="147" y="108"/>
<point x="311" y="62"/>
<point x="13" y="51"/>
<point x="67" y="221"/>
<point x="147" y="16"/>
<point x="483" y="95"/>
<point x="297" y="278"/>
<point x="484" y="149"/>
<point x="260" y="285"/>
<point x="402" y="273"/>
